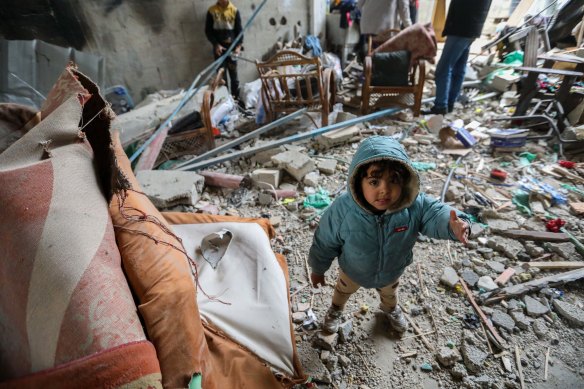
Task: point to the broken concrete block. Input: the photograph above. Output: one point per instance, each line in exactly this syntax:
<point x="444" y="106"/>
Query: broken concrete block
<point x="338" y="137"/>
<point x="266" y="155"/>
<point x="449" y="277"/>
<point x="501" y="319"/>
<point x="326" y="341"/>
<point x="570" y="312"/>
<point x="505" y="276"/>
<point x="474" y="357"/>
<point x="502" y="82"/>
<point x="167" y="188"/>
<point x="268" y="176"/>
<point x="312" y="179"/>
<point x="298" y="317"/>
<point x="508" y="247"/>
<point x="265" y="198"/>
<point x="487" y="283"/>
<point x="470" y="277"/>
<point x="540" y="328"/>
<point x="534" y="308"/>
<point x="295" y="163"/>
<point x="521" y="320"/>
<point x="327" y="166"/>
<point x="447" y="356"/>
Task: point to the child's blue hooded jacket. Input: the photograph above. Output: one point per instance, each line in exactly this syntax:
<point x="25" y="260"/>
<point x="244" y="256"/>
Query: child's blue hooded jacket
<point x="374" y="249"/>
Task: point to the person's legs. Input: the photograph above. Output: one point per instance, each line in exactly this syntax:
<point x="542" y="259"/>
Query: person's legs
<point x="453" y="49"/>
<point x="458" y="72"/>
<point x="388" y="296"/>
<point x="344" y="288"/>
<point x="231" y="66"/>
<point x="413" y="13"/>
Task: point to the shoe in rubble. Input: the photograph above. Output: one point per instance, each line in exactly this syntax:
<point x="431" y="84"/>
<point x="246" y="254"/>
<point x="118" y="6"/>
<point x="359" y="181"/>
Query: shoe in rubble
<point x="397" y="320"/>
<point x="332" y="320"/>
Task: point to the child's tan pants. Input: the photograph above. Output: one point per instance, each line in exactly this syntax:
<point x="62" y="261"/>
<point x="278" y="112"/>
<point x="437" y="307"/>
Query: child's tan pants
<point x="345" y="287"/>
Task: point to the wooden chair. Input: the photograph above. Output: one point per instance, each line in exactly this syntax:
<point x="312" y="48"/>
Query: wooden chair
<point x="374" y="96"/>
<point x="194" y="141"/>
<point x="291" y="81"/>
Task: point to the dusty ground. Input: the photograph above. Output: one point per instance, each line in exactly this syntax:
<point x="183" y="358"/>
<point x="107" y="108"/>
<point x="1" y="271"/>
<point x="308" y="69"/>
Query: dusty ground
<point x="372" y="355"/>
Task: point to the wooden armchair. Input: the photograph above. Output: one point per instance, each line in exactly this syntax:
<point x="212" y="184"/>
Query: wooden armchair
<point x="193" y="141"/>
<point x="376" y="96"/>
<point x="291" y="81"/>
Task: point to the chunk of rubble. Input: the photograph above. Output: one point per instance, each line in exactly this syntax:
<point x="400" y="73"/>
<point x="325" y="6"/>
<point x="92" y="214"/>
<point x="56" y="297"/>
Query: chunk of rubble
<point x="521" y="321"/>
<point x="506" y="246"/>
<point x="486" y="283"/>
<point x="337" y="137"/>
<point x="540" y="328"/>
<point x="449" y="277"/>
<point x="565" y="250"/>
<point x="501" y="319"/>
<point x="327" y="166"/>
<point x="534" y="308"/>
<point x="312" y="179"/>
<point x="326" y="341"/>
<point x="470" y="277"/>
<point x="447" y="356"/>
<point x="295" y="163"/>
<point x="570" y="312"/>
<point x="267" y="176"/>
<point x="167" y="188"/>
<point x="474" y="358"/>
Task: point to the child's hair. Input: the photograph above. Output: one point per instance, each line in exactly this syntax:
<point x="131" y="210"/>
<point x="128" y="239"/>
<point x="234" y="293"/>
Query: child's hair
<point x="402" y="173"/>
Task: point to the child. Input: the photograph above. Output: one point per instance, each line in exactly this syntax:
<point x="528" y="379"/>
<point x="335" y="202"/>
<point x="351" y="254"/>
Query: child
<point x="373" y="227"/>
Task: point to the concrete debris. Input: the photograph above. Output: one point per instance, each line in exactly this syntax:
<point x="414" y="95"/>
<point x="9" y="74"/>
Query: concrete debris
<point x="295" y="163"/>
<point x="534" y="308"/>
<point x="447" y="356"/>
<point x="271" y="177"/>
<point x="449" y="277"/>
<point x="166" y="188"/>
<point x="501" y="319"/>
<point x="570" y="312"/>
<point x="474" y="357"/>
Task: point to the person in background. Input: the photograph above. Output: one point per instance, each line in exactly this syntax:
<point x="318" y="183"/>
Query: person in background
<point x="464" y="23"/>
<point x="222" y="26"/>
<point x="414" y="5"/>
<point x="380" y="15"/>
<point x="372" y="229"/>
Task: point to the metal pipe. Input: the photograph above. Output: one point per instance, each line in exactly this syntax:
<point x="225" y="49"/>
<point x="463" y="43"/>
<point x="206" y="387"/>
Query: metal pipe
<point x="241" y="139"/>
<point x="210" y="70"/>
<point x="291" y="139"/>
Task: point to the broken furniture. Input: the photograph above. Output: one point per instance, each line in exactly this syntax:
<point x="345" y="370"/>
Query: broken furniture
<point x="405" y="90"/>
<point x="193" y="141"/>
<point x="291" y="81"/>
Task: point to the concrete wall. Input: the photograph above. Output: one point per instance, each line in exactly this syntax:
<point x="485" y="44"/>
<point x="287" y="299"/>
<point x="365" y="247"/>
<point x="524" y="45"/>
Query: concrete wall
<point x="150" y="44"/>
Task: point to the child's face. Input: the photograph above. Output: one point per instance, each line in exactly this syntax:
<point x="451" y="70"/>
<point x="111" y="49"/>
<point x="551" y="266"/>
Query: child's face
<point x="382" y="188"/>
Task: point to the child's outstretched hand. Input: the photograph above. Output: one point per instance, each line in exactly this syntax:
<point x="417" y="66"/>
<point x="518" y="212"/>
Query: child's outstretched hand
<point x="459" y="227"/>
<point x="317" y="279"/>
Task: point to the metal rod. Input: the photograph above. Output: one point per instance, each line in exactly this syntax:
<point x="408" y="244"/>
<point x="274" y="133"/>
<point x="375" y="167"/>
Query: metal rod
<point x="241" y="139"/>
<point x="291" y="139"/>
<point x="28" y="85"/>
<point x="209" y="70"/>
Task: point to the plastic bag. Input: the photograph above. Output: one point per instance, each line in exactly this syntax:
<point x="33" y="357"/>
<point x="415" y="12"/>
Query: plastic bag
<point x="250" y="93"/>
<point x="332" y="61"/>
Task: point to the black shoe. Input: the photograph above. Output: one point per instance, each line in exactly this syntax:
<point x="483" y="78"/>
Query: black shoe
<point x="435" y="111"/>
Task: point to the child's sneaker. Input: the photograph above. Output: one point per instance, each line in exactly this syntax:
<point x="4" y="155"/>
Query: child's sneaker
<point x="397" y="320"/>
<point x="332" y="320"/>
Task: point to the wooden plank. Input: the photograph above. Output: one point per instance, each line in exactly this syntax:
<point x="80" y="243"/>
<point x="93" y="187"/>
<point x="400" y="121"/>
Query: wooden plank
<point x="554" y="265"/>
<point x="537" y="236"/>
<point x="221" y="180"/>
<point x="482" y="315"/>
<point x="550" y="71"/>
<point x="505" y="276"/>
<point x="532" y="286"/>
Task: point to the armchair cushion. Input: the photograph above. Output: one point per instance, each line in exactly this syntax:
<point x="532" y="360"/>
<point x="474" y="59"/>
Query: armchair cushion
<point x="390" y="69"/>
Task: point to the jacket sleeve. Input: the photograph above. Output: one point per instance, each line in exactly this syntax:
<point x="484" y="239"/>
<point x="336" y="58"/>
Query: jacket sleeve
<point x="327" y="243"/>
<point x="237" y="28"/>
<point x="435" y="217"/>
<point x="209" y="30"/>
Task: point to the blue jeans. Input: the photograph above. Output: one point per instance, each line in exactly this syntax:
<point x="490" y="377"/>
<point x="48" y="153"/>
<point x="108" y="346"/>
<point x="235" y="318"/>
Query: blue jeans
<point x="450" y="70"/>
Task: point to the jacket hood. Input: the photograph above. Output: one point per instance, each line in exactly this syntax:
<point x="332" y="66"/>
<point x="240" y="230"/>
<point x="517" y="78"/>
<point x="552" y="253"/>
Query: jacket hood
<point x="380" y="148"/>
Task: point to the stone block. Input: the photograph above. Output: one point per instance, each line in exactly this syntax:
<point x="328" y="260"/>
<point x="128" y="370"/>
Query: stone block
<point x="167" y="188"/>
<point x="327" y="166"/>
<point x="570" y="312"/>
<point x="268" y="176"/>
<point x="295" y="163"/>
<point x="337" y="137"/>
<point x="312" y="179"/>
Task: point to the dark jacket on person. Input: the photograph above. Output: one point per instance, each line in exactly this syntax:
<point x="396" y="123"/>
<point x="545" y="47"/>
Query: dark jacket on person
<point x="466" y="18"/>
<point x="223" y="24"/>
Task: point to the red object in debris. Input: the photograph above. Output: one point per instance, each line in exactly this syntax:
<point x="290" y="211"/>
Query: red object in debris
<point x="567" y="164"/>
<point x="498" y="174"/>
<point x="555" y="225"/>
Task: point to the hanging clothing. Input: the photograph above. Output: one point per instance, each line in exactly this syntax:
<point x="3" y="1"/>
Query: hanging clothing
<point x="381" y="15"/>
